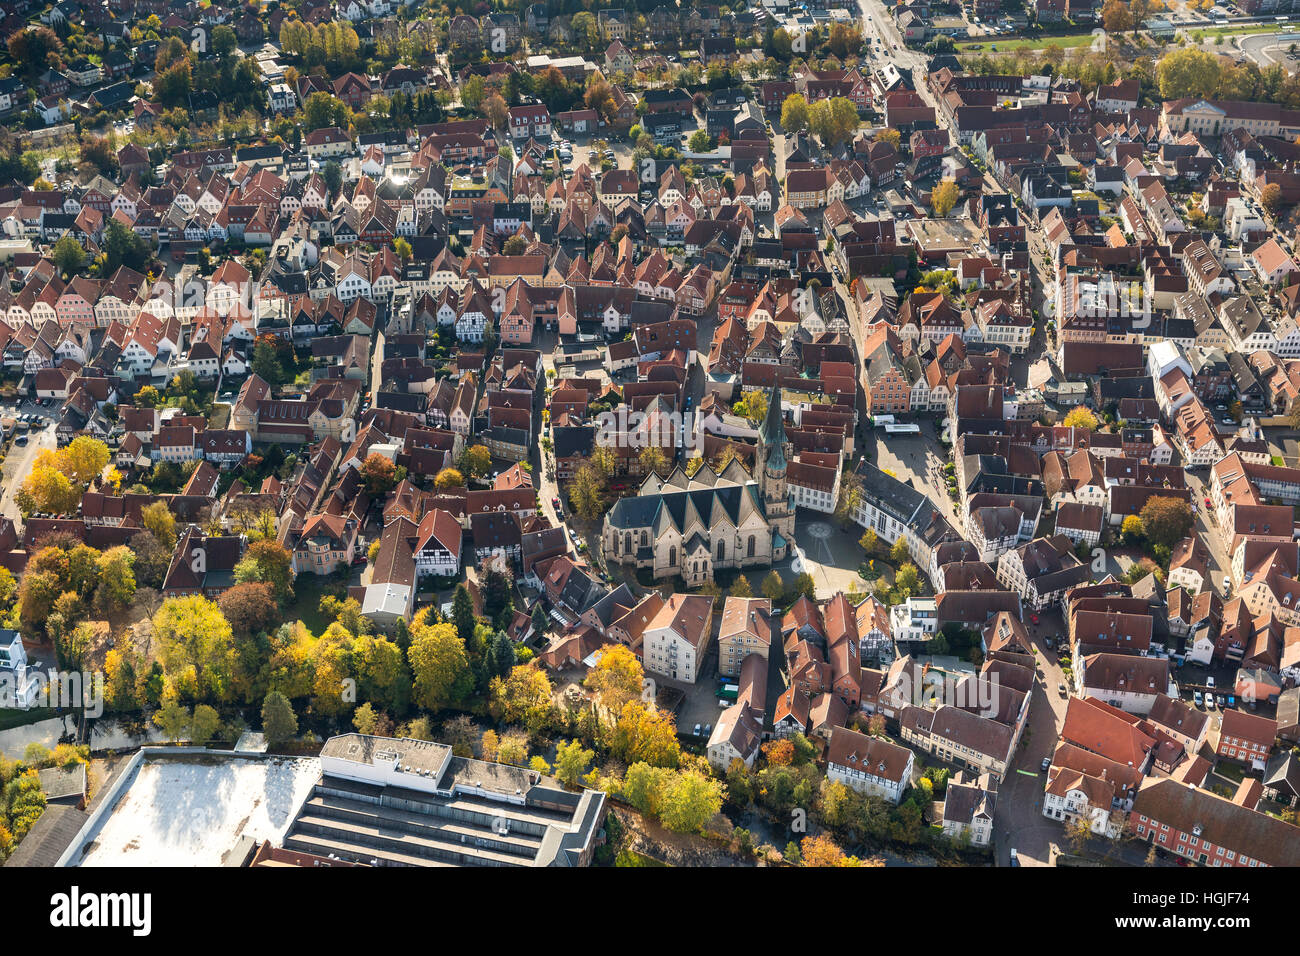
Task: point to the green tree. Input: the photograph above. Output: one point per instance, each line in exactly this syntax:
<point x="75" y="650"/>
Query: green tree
<point x="268" y="562"/>
<point x="173" y="720"/>
<point x="773" y="587"/>
<point x="794" y="113"/>
<point x="279" y="722"/>
<point x="907" y="580"/>
<point x="1187" y="71"/>
<point x="204" y="724"/>
<point x="195" y="638"/>
<point x="1166" y="520"/>
<point x="690" y="801"/>
<point x="476" y="461"/>
<point x="439" y="665"/>
<point x="462" y="613"/>
<point x="68" y="255"/>
<point x="571" y="763"/>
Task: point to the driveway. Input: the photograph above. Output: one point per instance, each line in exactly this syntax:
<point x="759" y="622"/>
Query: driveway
<point x="18" y="465"/>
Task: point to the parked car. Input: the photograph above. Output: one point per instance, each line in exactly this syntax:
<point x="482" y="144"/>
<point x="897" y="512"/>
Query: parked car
<point x="1047" y="762"/>
<point x="1209" y="681"/>
<point x="1062" y="690"/>
<point x="1015" y="860"/>
<point x="697" y="730"/>
<point x="1196" y="698"/>
<point x="1218" y="699"/>
<point x="1209" y="701"/>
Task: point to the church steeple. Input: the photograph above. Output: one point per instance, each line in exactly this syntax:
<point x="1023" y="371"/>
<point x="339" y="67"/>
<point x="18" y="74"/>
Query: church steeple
<point x="771" y="434"/>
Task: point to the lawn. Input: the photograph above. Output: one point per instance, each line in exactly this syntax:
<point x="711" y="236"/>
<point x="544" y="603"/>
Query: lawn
<point x="12" y="717"/>
<point x="308" y="589"/>
<point x="1209" y="33"/>
<point x="1011" y="44"/>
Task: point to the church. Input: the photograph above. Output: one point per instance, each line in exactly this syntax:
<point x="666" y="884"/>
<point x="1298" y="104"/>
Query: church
<point x="694" y="525"/>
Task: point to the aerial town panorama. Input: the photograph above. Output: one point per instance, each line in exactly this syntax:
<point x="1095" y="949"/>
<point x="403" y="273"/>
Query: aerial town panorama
<point x="793" y="433"/>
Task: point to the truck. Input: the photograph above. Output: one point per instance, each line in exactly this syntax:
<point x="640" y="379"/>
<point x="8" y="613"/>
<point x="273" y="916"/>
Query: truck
<point x="729" y="692"/>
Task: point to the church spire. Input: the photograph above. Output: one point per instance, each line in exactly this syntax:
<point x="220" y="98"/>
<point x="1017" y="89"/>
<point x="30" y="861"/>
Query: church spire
<point x="771" y="434"/>
<point x="772" y="431"/>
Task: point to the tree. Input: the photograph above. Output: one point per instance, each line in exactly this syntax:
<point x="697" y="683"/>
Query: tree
<point x="333" y="175"/>
<point x="652" y="459"/>
<point x="869" y="541"/>
<point x="586" y="492"/>
<point x="773" y="587"/>
<point x="48" y="490"/>
<point x="690" y="800"/>
<point x="279" y="722"/>
<point x="379" y="473"/>
<point x="194" y="638"/>
<point x="403" y="250"/>
<point x="1187" y="71"/>
<point x="752" y="405"/>
<point x="224" y="41"/>
<point x="1081" y="417"/>
<point x="1166" y="521"/>
<point x="172" y="720"/>
<point x="522" y="697"/>
<point x="700" y="141"/>
<point x="1271" y="198"/>
<point x="251" y="608"/>
<point x="907" y="580"/>
<point x="1077" y="833"/>
<point x="83" y="459"/>
<point x="476" y="461"/>
<point x="805" y="585"/>
<point x="68" y="256"/>
<point x="891" y="136"/>
<point x="605" y="461"/>
<point x="449" y="478"/>
<point x="541" y="622"/>
<point x="151" y="560"/>
<point x="321" y="110"/>
<point x="159" y="522"/>
<point x="644" y="733"/>
<point x="269" y="562"/>
<point x="1115" y="16"/>
<point x="365" y="719"/>
<point x="821" y="851"/>
<point x="794" y="113"/>
<point x="617" y="678"/>
<point x="496" y="111"/>
<point x="944" y="197"/>
<point x="899" y="553"/>
<point x="571" y="763"/>
<point x="439" y="666"/>
<point x="204" y="724"/>
<point x="462" y="613"/>
<point x="741" y="587"/>
<point x="123" y="247"/>
<point x="116" y="574"/>
<point x="1131" y="530"/>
